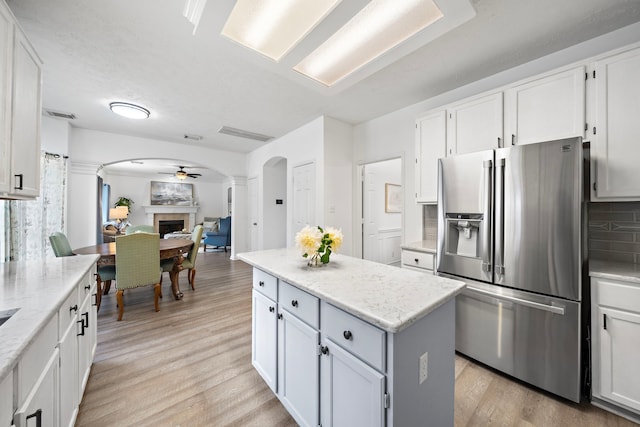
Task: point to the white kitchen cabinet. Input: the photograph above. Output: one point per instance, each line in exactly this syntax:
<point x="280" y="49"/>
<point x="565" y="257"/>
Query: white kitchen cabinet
<point x="264" y="339"/>
<point x="615" y="319"/>
<point x="86" y="330"/>
<point x="40" y="408"/>
<point x="6" y="404"/>
<point x="20" y="112"/>
<point x="353" y="393"/>
<point x="68" y="350"/>
<point x="475" y="124"/>
<point x="418" y="261"/>
<point x="614" y="135"/>
<point x="298" y="368"/>
<point x="546" y="108"/>
<point x="430" y="145"/>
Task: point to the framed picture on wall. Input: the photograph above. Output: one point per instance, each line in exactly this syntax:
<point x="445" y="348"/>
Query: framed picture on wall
<point x="392" y="198"/>
<point x="171" y="193"/>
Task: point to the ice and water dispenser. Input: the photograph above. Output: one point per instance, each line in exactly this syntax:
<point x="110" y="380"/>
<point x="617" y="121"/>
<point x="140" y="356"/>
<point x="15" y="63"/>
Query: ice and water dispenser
<point x="464" y="234"/>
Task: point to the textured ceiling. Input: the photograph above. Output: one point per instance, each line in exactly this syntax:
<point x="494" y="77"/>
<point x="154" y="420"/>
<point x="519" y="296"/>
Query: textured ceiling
<point x="144" y="51"/>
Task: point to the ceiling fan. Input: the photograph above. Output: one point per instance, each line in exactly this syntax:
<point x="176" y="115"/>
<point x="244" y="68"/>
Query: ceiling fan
<point x="182" y="174"/>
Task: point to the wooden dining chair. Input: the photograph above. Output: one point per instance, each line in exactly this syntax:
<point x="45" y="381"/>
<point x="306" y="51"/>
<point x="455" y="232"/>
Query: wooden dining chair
<point x="137" y="264"/>
<point x="105" y="274"/>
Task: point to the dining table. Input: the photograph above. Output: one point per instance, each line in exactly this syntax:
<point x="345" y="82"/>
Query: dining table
<point x="169" y="249"/>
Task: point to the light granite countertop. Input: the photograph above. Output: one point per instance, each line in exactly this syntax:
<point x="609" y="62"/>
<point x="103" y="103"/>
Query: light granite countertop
<point x="391" y="298"/>
<point x="428" y="246"/>
<point x="37" y="289"/>
<point x="614" y="270"/>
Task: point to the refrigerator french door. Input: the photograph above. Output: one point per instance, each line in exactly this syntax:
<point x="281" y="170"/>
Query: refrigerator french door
<point x="511" y="224"/>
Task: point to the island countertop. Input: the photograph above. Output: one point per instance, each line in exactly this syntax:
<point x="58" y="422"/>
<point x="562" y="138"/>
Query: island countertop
<point x="389" y="297"/>
<point x="37" y="289"/>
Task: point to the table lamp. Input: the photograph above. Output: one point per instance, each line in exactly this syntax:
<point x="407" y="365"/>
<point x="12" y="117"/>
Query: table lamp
<point x="118" y="213"/>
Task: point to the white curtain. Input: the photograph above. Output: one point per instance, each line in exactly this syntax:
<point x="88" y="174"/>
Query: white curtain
<point x="28" y="223"/>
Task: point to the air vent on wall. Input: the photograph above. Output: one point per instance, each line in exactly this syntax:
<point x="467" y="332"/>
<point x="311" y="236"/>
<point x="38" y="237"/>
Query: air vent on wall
<point x="60" y="115"/>
<point x="244" y="134"/>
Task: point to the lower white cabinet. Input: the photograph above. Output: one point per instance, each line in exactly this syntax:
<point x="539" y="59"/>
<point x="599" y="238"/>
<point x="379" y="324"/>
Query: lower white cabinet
<point x="40" y="408"/>
<point x="353" y="393"/>
<point x="330" y="368"/>
<point x="6" y="405"/>
<point x="298" y="368"/>
<point x="46" y="386"/>
<point x="615" y="320"/>
<point x="418" y="261"/>
<point x="264" y="338"/>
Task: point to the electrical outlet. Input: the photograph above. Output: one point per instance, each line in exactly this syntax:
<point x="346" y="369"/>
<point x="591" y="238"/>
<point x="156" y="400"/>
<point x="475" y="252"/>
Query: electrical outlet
<point x="424" y="362"/>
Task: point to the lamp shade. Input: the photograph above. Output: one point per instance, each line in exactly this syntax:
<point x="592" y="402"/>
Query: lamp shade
<point x="119" y="212"/>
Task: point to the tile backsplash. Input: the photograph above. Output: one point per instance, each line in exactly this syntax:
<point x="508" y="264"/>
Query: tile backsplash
<point x="429" y="222"/>
<point x="614" y="231"/>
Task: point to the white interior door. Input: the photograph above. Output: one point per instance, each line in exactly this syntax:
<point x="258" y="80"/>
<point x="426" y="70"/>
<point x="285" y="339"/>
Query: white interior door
<point x="381" y="222"/>
<point x="252" y="184"/>
<point x="304" y="196"/>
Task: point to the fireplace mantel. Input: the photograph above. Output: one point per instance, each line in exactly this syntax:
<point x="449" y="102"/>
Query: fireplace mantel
<point x="153" y="212"/>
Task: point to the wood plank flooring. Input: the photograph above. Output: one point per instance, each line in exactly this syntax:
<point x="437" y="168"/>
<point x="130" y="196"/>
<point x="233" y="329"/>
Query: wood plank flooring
<point x="190" y="365"/>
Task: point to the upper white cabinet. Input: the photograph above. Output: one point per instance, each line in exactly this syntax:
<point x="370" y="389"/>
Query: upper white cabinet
<point x="431" y="142"/>
<point x="547" y="108"/>
<point x="475" y="125"/>
<point x="616" y="127"/>
<point x="20" y="111"/>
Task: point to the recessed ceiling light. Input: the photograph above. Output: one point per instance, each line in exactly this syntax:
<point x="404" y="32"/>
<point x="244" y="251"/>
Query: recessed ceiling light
<point x="130" y="111"/>
<point x="378" y="27"/>
<point x="274" y="27"/>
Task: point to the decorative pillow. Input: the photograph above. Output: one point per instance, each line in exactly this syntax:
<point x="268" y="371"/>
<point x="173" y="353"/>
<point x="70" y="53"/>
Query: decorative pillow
<point x="211" y="225"/>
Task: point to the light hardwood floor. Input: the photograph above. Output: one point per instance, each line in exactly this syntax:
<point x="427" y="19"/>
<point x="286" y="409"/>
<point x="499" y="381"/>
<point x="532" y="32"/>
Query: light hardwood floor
<point x="190" y="365"/>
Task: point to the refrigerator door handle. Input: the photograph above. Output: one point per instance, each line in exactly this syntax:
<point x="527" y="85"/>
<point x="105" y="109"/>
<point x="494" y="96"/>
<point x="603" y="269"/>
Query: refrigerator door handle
<point x="550" y="308"/>
<point x="499" y="220"/>
<point x="486" y="223"/>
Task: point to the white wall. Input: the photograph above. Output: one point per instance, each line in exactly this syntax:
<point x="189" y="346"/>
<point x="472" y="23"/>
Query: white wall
<point x="88" y="149"/>
<point x="54" y="135"/>
<point x="137" y="188"/>
<point x="388" y="171"/>
<point x="303" y="145"/>
<point x="338" y="180"/>
<point x="392" y="135"/>
<point x="275" y="187"/>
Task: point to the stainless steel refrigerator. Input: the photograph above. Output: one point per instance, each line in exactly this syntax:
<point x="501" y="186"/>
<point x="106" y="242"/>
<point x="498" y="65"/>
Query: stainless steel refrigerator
<point x="511" y="224"/>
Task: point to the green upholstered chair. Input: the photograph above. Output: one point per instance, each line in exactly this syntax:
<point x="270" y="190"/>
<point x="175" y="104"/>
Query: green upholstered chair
<point x="107" y="273"/>
<point x="137" y="264"/>
<point x="139" y="229"/>
<point x="60" y="244"/>
<point x="190" y="261"/>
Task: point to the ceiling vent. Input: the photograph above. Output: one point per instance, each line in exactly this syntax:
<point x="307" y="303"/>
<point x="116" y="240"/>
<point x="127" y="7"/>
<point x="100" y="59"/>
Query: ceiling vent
<point x="244" y="134"/>
<point x="60" y="115"/>
<point x="193" y="137"/>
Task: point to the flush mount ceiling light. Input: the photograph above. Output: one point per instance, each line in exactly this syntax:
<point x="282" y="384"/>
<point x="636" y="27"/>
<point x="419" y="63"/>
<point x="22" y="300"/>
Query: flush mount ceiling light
<point x="130" y="111"/>
<point x="274" y="27"/>
<point x="379" y="27"/>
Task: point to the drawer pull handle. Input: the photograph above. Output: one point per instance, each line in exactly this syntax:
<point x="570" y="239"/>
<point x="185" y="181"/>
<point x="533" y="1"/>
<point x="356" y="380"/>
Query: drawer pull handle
<point x="260" y="283"/>
<point x="87" y="287"/>
<point x="19" y="179"/>
<point x="324" y="349"/>
<point x="416" y="260"/>
<point x="294" y="302"/>
<point x="347" y="335"/>
<point x="271" y="309"/>
<point x="73" y="308"/>
<point x="279" y="316"/>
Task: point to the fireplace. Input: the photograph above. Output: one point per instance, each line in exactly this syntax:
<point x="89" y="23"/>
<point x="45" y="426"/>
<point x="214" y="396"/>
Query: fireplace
<point x="169" y="226"/>
<point x="186" y="214"/>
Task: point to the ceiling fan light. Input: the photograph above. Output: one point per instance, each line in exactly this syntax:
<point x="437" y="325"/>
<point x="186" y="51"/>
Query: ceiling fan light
<point x="181" y="175"/>
<point x="131" y="111"/>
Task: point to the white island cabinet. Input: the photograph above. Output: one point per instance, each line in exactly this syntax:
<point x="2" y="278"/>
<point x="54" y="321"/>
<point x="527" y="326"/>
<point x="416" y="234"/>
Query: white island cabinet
<point x="49" y="341"/>
<point x="356" y="343"/>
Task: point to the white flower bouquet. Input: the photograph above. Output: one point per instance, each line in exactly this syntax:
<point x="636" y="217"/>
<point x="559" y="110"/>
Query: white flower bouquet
<point x="317" y="243"/>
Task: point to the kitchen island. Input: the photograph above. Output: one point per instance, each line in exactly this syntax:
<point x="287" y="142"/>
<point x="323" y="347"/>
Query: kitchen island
<point x="354" y="342"/>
